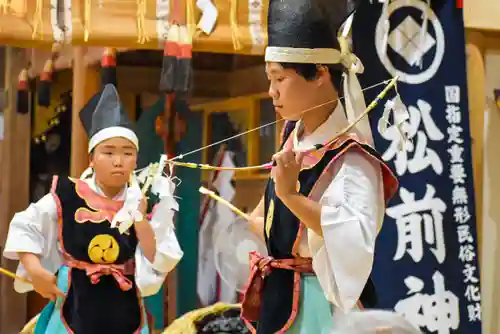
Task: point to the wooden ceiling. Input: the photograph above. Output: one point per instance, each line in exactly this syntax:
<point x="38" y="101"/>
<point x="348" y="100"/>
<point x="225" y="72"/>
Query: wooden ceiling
<point x="201" y="60"/>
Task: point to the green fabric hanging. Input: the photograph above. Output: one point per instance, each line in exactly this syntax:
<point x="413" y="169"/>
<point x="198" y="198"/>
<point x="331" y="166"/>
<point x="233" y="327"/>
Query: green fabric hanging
<point x="151" y="144"/>
<point x="151" y="148"/>
<point x="188" y="218"/>
<point x="187" y="225"/>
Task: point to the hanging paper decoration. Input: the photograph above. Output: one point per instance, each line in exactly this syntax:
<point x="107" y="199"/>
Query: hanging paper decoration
<point x="223" y="26"/>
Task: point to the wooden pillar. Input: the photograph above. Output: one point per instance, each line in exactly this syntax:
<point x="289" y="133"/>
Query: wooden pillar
<point x="86" y="82"/>
<point x="481" y="155"/>
<point x="14" y="187"/>
<point x="476" y="78"/>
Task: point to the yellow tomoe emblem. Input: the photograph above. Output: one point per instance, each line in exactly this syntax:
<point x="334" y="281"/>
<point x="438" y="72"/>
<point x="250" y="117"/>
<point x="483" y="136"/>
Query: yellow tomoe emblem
<point x="269" y="218"/>
<point x="103" y="248"/>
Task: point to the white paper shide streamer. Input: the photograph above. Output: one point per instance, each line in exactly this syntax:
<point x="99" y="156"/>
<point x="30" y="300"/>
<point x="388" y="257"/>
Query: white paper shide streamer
<point x="129" y="213"/>
<point x="208" y="17"/>
<point x="161" y="185"/>
<point x="400" y="115"/>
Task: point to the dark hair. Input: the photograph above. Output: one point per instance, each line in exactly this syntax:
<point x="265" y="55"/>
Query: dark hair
<point x="310" y="72"/>
<point x="228" y="321"/>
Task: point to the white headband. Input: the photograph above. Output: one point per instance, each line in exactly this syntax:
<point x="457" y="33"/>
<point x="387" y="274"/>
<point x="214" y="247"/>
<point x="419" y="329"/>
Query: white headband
<point x="112" y="132"/>
<point x="302" y="55"/>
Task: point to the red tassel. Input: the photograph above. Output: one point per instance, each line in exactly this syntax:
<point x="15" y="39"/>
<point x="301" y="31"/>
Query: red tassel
<point x="460" y="4"/>
<point x="108" y="58"/>
<point x="22" y="83"/>
<point x="23" y="96"/>
<point x="183" y="72"/>
<point x="56" y="51"/>
<point x="44" y="89"/>
<point x="47" y="77"/>
<point x="169" y="64"/>
<point x="108" y="67"/>
<point x="48" y="70"/>
<point x="172" y="43"/>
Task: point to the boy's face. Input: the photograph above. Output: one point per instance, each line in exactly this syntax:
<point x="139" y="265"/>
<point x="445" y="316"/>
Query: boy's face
<point x="113" y="161"/>
<point x="292" y="94"/>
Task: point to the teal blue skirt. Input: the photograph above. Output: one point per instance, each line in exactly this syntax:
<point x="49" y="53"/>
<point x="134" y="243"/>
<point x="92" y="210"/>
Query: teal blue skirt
<point x="50" y="322"/>
<point x="315" y="312"/>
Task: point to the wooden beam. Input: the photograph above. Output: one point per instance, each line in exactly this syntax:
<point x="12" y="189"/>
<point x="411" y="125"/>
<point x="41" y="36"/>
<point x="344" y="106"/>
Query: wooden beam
<point x="14" y="187"/>
<point x="248" y="81"/>
<point x="206" y="83"/>
<point x="226" y="105"/>
<point x="146" y="80"/>
<point x="86" y="82"/>
<point x="482" y="14"/>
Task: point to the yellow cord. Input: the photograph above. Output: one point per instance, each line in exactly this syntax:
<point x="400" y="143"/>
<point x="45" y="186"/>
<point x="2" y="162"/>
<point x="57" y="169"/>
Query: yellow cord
<point x="368" y="109"/>
<point x="37" y="20"/>
<point x="235" y="31"/>
<point x="186" y="323"/>
<point x="141" y="29"/>
<point x="14" y="276"/>
<point x="190" y="18"/>
<point x="209" y="167"/>
<point x="149" y="180"/>
<point x="86" y="20"/>
<point x="4" y="6"/>
<point x="219" y="199"/>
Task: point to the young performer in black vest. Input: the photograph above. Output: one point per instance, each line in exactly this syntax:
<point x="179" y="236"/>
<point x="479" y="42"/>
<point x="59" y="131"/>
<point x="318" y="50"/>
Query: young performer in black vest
<point x="321" y="212"/>
<point x="95" y="276"/>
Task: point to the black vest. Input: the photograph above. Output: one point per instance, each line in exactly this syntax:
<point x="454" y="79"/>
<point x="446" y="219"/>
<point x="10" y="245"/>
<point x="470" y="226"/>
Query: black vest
<point x="277" y="300"/>
<point x="103" y="307"/>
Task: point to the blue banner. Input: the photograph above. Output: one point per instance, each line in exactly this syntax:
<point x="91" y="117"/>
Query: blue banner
<point x="426" y="265"/>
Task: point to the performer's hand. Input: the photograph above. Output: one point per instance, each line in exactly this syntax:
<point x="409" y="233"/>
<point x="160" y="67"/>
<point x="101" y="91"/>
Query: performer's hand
<point x="257" y="225"/>
<point x="286" y="172"/>
<point x="45" y="284"/>
<point x="143" y="206"/>
<point x="145" y="233"/>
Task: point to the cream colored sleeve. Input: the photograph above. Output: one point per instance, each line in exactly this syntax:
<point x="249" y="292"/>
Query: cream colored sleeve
<point x="34" y="230"/>
<point x="351" y="206"/>
<point x="150" y="276"/>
